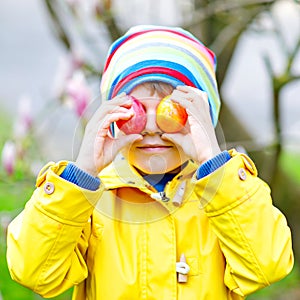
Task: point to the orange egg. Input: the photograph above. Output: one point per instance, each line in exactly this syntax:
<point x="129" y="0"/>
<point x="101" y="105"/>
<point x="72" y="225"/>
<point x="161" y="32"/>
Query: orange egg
<point x="170" y="116"/>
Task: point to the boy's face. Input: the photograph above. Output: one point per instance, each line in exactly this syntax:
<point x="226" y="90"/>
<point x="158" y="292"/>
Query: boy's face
<point x="153" y="154"/>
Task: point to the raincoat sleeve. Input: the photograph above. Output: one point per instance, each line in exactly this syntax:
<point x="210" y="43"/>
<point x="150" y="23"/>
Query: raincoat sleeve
<point x="253" y="234"/>
<point x="48" y="240"/>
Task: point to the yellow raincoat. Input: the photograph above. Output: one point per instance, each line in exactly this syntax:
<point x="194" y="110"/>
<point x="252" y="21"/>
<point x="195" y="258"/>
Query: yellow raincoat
<point x="123" y="241"/>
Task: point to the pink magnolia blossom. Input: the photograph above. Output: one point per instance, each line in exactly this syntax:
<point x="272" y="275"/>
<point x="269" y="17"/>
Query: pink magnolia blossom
<point x="24" y="117"/>
<point x="78" y="92"/>
<point x="9" y="155"/>
<point x="67" y="65"/>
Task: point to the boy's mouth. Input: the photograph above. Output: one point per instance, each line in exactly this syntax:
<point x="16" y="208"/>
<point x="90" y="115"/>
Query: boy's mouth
<point x="154" y="147"/>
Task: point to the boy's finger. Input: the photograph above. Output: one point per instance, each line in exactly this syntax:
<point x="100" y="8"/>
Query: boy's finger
<point x="175" y="138"/>
<point x="125" y="140"/>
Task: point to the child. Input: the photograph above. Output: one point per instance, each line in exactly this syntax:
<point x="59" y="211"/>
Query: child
<point x="174" y="217"/>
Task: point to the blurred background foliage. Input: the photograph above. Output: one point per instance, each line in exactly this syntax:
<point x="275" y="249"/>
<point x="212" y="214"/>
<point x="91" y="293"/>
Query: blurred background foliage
<point x="85" y="29"/>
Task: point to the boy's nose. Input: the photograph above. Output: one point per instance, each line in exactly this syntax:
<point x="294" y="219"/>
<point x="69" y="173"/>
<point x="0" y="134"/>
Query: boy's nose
<point x="151" y="127"/>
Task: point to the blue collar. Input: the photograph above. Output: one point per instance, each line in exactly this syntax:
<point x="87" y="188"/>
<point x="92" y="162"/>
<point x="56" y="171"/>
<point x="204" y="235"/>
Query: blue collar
<point x="159" y="180"/>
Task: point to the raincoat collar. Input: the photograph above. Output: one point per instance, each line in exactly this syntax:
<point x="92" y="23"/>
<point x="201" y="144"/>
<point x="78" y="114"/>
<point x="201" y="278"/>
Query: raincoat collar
<point x="121" y="174"/>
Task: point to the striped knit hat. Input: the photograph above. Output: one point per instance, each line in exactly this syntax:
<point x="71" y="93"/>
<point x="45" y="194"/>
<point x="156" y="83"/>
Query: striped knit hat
<point x="158" y="53"/>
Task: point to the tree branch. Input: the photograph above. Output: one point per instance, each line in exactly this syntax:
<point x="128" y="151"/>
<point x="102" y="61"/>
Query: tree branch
<point x="51" y="6"/>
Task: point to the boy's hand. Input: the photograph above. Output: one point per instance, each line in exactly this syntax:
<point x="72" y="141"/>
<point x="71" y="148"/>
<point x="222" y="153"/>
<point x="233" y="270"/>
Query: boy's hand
<point x="99" y="148"/>
<point x="198" y="139"/>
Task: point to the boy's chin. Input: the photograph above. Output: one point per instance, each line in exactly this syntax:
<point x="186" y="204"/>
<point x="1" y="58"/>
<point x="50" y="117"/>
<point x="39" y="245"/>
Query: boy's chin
<point x="157" y="163"/>
<point x="146" y="169"/>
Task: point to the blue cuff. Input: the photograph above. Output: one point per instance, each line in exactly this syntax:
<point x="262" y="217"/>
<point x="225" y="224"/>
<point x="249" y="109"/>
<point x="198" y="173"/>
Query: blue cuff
<point x="80" y="178"/>
<point x="213" y="164"/>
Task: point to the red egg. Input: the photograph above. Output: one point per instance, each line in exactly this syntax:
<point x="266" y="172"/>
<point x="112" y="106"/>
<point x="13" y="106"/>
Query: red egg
<point x="137" y="123"/>
<point x="170" y="116"/>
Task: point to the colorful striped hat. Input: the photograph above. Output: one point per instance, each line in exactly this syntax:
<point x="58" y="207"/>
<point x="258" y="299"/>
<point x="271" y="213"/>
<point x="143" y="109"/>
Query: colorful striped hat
<point x="159" y="53"/>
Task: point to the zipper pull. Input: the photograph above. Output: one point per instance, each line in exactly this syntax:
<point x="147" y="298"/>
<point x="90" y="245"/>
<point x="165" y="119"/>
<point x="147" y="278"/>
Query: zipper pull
<point x="161" y="196"/>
